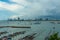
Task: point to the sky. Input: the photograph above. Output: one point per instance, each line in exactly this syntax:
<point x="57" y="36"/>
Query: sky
<point x="29" y="9"/>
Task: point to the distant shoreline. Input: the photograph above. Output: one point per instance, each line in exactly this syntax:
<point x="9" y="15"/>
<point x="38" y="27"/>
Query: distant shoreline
<point x="33" y="20"/>
<point x="29" y="20"/>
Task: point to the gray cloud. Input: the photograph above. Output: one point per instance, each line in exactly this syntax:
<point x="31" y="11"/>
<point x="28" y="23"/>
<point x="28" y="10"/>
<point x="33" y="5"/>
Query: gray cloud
<point x="35" y="8"/>
<point x="41" y="8"/>
<point x="44" y="7"/>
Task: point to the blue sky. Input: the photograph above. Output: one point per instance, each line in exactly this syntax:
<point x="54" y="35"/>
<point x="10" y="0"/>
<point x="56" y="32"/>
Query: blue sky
<point x="29" y="8"/>
<point x="5" y="0"/>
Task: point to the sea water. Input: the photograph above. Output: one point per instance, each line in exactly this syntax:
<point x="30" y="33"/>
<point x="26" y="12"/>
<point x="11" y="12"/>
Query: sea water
<point x="42" y="28"/>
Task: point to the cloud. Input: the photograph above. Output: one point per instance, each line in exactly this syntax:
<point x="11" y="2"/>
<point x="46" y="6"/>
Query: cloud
<point x="5" y="14"/>
<point x="10" y="7"/>
<point x="21" y="2"/>
<point x="33" y="8"/>
<point x="43" y="7"/>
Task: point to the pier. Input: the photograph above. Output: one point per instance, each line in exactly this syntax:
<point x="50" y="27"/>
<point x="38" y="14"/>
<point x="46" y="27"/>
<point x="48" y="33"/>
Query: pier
<point x="15" y="26"/>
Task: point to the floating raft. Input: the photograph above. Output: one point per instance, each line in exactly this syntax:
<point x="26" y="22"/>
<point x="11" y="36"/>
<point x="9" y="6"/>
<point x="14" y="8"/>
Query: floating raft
<point x="15" y="26"/>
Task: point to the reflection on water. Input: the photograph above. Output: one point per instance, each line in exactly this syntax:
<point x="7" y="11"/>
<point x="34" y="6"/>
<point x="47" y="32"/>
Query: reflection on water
<point x="39" y="29"/>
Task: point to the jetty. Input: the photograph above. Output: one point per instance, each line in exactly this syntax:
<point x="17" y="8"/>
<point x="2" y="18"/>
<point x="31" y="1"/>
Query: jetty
<point x="15" y="26"/>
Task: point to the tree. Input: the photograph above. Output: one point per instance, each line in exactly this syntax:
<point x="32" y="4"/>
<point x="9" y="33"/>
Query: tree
<point x="54" y="37"/>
